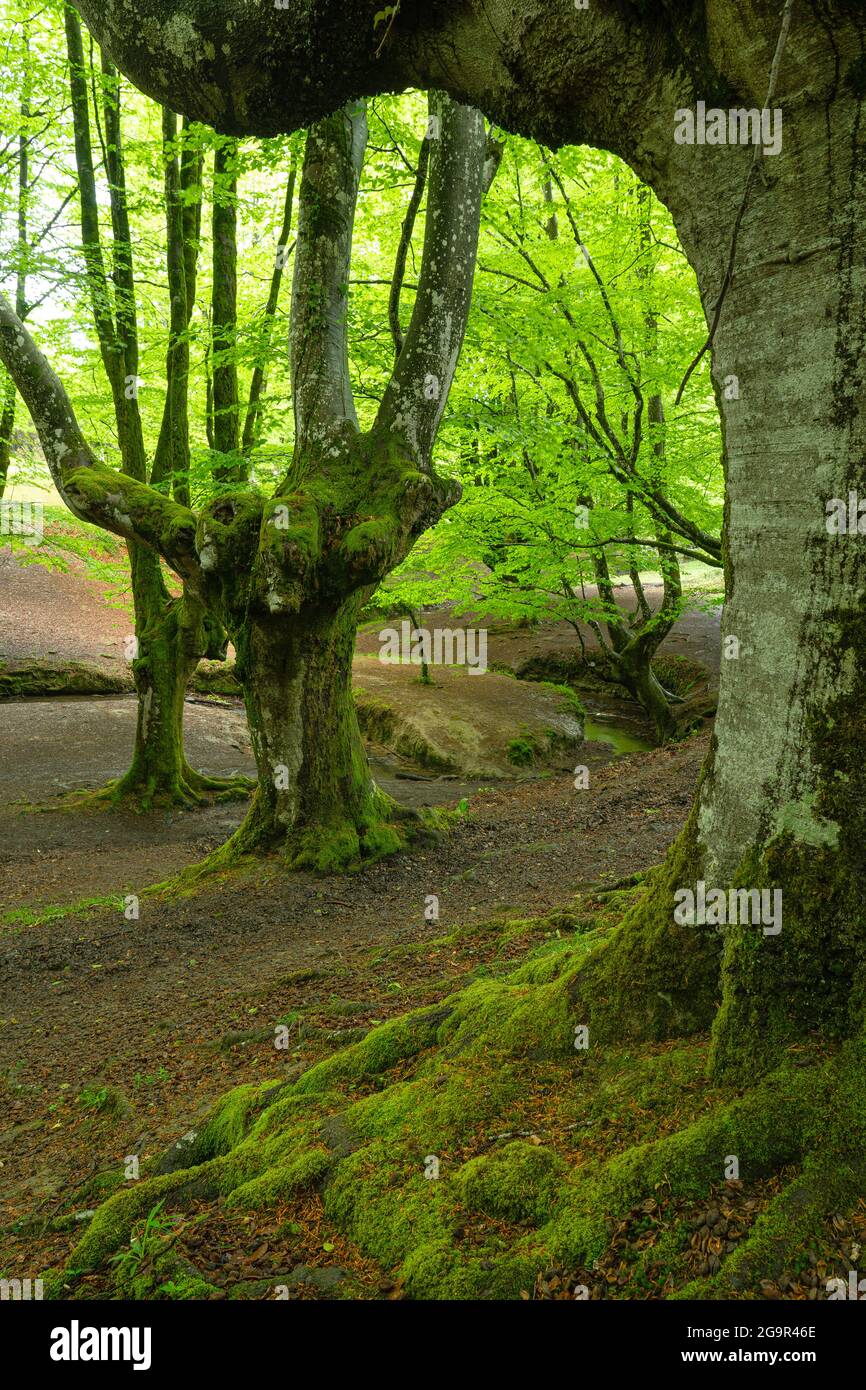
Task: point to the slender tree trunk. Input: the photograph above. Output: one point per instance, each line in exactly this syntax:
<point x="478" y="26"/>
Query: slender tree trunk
<point x="229" y="466"/>
<point x="169" y="649"/>
<point x="7" y="417"/>
<point x="259" y="380"/>
<point x="7" y="425"/>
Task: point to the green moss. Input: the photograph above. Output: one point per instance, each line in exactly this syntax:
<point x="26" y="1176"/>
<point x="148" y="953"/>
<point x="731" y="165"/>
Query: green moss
<point x="469" y="1073"/>
<point x="571" y="696"/>
<point x="381" y="1049"/>
<point x="326" y="851"/>
<point x="186" y="1287"/>
<point x="517" y="1183"/>
<point x="298" y="1173"/>
<point x="215" y="678"/>
<point x="114" y="1221"/>
<point x="30" y="678"/>
<point x="521" y="751"/>
<point x="225" y="1126"/>
<point x="651" y="977"/>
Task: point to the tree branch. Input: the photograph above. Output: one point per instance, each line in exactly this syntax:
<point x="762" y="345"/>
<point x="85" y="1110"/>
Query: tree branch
<point x="92" y="490"/>
<point x="319" y="348"/>
<point x="415" y="396"/>
<point x="403" y="248"/>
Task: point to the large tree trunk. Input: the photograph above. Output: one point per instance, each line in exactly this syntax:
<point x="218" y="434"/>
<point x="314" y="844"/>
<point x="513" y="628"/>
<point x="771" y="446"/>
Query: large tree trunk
<point x="785" y="802"/>
<point x="316" y="802"/>
<point x="782" y="804"/>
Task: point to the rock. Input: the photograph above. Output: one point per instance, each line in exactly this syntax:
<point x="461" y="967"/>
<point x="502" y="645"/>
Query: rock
<point x="324" y="1278"/>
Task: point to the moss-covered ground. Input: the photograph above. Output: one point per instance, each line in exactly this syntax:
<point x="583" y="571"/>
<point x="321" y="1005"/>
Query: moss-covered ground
<point x="480" y="1146"/>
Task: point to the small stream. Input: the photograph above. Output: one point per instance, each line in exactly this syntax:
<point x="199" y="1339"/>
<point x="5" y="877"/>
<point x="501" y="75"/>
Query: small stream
<point x="621" y="724"/>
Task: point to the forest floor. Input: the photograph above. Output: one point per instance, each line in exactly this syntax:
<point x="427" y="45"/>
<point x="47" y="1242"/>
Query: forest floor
<point x="117" y="1036"/>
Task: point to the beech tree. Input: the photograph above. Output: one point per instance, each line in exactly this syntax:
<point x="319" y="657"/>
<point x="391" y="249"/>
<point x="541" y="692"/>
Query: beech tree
<point x="777" y="243"/>
<point x="287" y="574"/>
<point x="171" y="634"/>
<point x="572" y="462"/>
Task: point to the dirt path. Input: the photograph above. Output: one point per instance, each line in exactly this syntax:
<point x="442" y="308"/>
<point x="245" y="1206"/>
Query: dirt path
<point x="61" y="615"/>
<point x="52" y="853"/>
<point x="150" y="1007"/>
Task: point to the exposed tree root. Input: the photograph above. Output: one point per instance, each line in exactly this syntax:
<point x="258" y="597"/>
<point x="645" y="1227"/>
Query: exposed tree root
<point x="404" y="1165"/>
<point x="189" y="789"/>
<point x="338" y="848"/>
<point x="651" y="978"/>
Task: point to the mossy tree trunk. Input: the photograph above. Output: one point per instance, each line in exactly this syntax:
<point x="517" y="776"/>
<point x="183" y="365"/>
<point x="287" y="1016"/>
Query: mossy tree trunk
<point x="170" y="648"/>
<point x="785" y="804"/>
<point x="288" y="575"/>
<point x="316" y="801"/>
<point x="171" y="633"/>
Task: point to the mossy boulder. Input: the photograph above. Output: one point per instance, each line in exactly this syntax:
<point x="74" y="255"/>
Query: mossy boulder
<point x="473" y="725"/>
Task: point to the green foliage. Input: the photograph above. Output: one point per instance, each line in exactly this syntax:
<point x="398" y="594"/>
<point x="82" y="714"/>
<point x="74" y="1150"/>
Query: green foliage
<point x="148" y="1240"/>
<point x="545" y="402"/>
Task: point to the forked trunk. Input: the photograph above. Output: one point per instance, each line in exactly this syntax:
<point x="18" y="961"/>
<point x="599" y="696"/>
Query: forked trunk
<point x="171" y="640"/>
<point x="316" y="802"/>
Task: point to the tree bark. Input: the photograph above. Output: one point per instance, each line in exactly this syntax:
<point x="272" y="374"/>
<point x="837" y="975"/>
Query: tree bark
<point x="224" y="316"/>
<point x="259" y="379"/>
<point x="7" y="417"/>
<point x="316" y="802"/>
